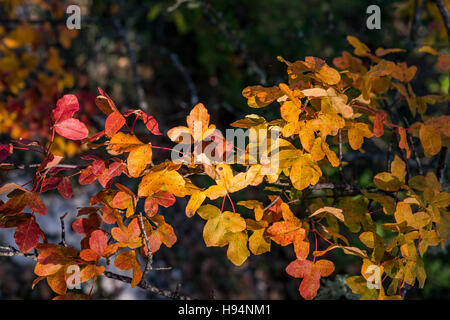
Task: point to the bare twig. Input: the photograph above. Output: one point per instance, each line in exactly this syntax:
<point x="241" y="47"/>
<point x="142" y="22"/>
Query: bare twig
<point x="12" y="252"/>
<point x="445" y="16"/>
<point x="13" y="166"/>
<point x="149" y="264"/>
<point x="137" y="79"/>
<point x="184" y="72"/>
<point x="63" y="230"/>
<point x="418" y="9"/>
<point x="414" y="150"/>
<point x="341" y="172"/>
<point x="443" y="154"/>
<point x="148" y="287"/>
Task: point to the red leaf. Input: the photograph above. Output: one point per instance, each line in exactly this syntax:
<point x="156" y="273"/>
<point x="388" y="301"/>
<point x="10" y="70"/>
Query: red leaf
<point x="164" y="198"/>
<point x="151" y="124"/>
<point x="65" y="108"/>
<point x="27" y="235"/>
<point x="98" y="242"/>
<point x="86" y="176"/>
<point x="50" y="183"/>
<point x="86" y="225"/>
<point x="65" y="188"/>
<point x="378" y="125"/>
<point x="35" y="203"/>
<point x="5" y="151"/>
<point x="114" y="123"/>
<point x="72" y="129"/>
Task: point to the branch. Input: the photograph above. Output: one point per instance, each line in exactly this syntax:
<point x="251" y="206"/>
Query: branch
<point x="216" y="18"/>
<point x="137" y="79"/>
<point x="443" y="154"/>
<point x="148" y="265"/>
<point x="416" y="20"/>
<point x="445" y="16"/>
<point x="148" y="287"/>
<point x="13" y="166"/>
<point x="186" y="76"/>
<point x="63" y="230"/>
<point x="13" y="252"/>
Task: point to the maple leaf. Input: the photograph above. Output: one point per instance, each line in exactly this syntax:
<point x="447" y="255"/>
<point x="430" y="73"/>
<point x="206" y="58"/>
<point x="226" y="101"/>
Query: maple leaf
<point x="163" y="233"/>
<point x="356" y="133"/>
<point x="258" y="243"/>
<point x="311" y="273"/>
<point x="163" y="198"/>
<point x="128" y="260"/>
<point x="198" y="125"/>
<point x="162" y="177"/>
<point x="98" y="247"/>
<point x="140" y="154"/>
<point x="124" y="200"/>
<point x="255" y="205"/>
<point x="129" y="237"/>
<point x="304" y="172"/>
<point x="259" y="96"/>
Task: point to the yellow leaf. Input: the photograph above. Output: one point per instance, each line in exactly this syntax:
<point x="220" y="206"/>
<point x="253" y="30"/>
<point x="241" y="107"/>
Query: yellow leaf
<point x="138" y="160"/>
<point x="398" y="169"/>
<point x="430" y="139"/>
<point x="257" y="243"/>
<point x="334" y="211"/>
<point x="237" y="249"/>
<point x="304" y="172"/>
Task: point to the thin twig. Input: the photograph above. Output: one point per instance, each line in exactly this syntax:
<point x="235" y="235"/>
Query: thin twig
<point x="443" y="154"/>
<point x="12" y="252"/>
<point x="149" y="263"/>
<point x="148" y="287"/>
<point x="416" y="21"/>
<point x="184" y="72"/>
<point x="63" y="230"/>
<point x="137" y="79"/>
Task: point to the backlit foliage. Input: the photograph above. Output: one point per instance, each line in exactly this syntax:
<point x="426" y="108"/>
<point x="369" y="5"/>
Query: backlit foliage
<point x="322" y="109"/>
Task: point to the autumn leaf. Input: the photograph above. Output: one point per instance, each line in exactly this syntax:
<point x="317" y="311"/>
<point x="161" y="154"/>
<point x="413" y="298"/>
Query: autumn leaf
<point x="356" y="133"/>
<point x="64" y="124"/>
<point x="430" y="139"/>
<point x="140" y="154"/>
<point x="114" y="123"/>
<point x="304" y="172"/>
<point x="98" y="247"/>
<point x="311" y="273"/>
<point x="27" y="235"/>
<point x="198" y="125"/>
<point x="129" y="237"/>
<point x="128" y="260"/>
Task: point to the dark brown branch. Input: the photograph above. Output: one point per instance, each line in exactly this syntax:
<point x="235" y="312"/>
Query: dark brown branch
<point x="418" y="10"/>
<point x="185" y="74"/>
<point x="13" y="166"/>
<point x="148" y="287"/>
<point x="63" y="230"/>
<point x="445" y="16"/>
<point x="217" y="19"/>
<point x="12" y="252"/>
<point x="132" y="55"/>
<point x="443" y="154"/>
<point x="149" y="263"/>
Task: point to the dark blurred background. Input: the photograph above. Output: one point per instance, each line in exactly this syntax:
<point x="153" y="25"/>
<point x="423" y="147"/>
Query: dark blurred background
<point x="164" y="57"/>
